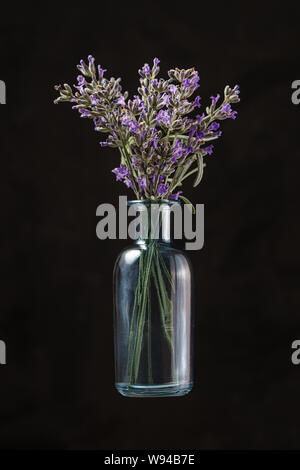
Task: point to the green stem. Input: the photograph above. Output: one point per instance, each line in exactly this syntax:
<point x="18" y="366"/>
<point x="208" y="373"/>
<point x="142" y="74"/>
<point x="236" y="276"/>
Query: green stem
<point x="142" y="313"/>
<point x="189" y="174"/>
<point x="162" y="306"/>
<point x="134" y="310"/>
<point x="165" y="300"/>
<point x="166" y="271"/>
<point x="150" y="379"/>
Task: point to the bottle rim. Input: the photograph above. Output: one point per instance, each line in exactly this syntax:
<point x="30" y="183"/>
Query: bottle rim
<point x="148" y="202"/>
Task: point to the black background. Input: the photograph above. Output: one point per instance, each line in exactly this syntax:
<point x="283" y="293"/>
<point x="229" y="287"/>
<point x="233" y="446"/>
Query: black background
<point x="56" y="390"/>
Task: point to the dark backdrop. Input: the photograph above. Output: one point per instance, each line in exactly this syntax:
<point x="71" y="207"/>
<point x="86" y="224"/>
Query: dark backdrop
<point x="56" y="390"/>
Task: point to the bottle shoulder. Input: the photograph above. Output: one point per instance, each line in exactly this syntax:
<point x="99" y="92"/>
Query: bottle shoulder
<point x="131" y="253"/>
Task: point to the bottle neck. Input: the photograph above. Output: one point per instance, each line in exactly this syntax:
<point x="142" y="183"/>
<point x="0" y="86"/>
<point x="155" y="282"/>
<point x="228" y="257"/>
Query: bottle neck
<point x="152" y="222"/>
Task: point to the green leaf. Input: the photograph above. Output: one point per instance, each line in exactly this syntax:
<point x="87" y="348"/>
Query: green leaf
<point x="200" y="170"/>
<point x="190" y="205"/>
<point x="177" y="175"/>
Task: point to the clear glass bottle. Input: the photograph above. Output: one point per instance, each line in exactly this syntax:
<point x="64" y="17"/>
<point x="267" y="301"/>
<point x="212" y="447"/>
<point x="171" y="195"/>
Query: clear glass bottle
<point x="153" y="312"/>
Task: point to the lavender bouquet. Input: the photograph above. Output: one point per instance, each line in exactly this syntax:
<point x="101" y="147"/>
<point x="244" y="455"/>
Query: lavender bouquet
<point x="158" y="143"/>
<point x="162" y="141"/>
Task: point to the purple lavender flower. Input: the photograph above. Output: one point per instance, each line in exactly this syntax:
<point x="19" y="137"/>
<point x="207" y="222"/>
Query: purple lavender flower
<point x="84" y="112"/>
<point x="146" y="70"/>
<point x="142" y="182"/>
<point x="81" y="80"/>
<point x="162" y="189"/>
<point x="94" y="100"/>
<point x="228" y="112"/>
<point x="83" y="67"/>
<point x="173" y="89"/>
<point x="137" y="103"/>
<point x="214" y="126"/>
<point x="200" y="118"/>
<point x="121" y="172"/>
<point x="188" y="150"/>
<point x="156" y="61"/>
<point x="197" y="102"/>
<point x="209" y="149"/>
<point x="177" y="151"/>
<point x="104" y="144"/>
<point x="133" y="126"/>
<point x="163" y="117"/>
<point x="128" y="183"/>
<point x="175" y="195"/>
<point x="81" y="83"/>
<point x="192" y="132"/>
<point x="196" y="79"/>
<point x="186" y="83"/>
<point x="127" y="121"/>
<point x="226" y="108"/>
<point x="91" y="59"/>
<point x="200" y="135"/>
<point x="196" y="82"/>
<point x="154" y="142"/>
<point x="165" y="98"/>
<point x="101" y="72"/>
<point x="142" y="105"/>
<point x="98" y="121"/>
<point x="121" y="101"/>
<point x="125" y="118"/>
<point x="153" y="178"/>
<point x="215" y="99"/>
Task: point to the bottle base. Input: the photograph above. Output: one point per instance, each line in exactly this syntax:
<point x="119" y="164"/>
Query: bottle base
<point x="176" y="390"/>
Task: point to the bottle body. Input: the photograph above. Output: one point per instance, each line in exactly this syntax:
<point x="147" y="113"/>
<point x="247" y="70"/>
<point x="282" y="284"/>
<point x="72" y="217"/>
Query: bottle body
<point x="153" y="320"/>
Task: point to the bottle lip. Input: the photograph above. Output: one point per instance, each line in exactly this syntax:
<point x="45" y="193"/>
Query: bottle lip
<point x="149" y="202"/>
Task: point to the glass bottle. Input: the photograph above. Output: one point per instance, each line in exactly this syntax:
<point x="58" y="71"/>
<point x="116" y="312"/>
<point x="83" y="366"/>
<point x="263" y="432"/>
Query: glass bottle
<point x="153" y="312"/>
